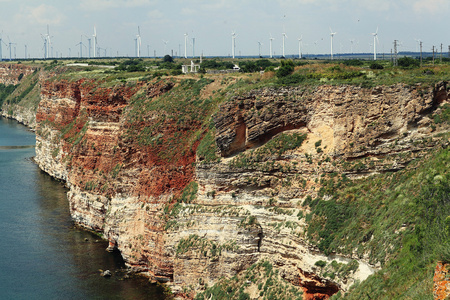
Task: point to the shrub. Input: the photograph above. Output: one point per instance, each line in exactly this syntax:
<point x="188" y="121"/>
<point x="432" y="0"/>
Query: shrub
<point x="286" y="69"/>
<point x="353" y="62"/>
<point x="408" y="62"/>
<point x="376" y="66"/>
<point x="292" y="79"/>
<point x="320" y="263"/>
<point x="167" y="58"/>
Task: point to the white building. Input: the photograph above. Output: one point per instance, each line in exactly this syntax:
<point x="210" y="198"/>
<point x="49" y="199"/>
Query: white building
<point x="192" y="68"/>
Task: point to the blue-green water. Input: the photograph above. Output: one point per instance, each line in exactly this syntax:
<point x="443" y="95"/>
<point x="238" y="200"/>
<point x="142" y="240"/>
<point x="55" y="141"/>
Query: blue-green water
<point x="42" y="254"/>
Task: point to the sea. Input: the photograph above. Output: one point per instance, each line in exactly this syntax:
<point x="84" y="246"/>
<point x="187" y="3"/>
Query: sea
<point x="43" y="255"/>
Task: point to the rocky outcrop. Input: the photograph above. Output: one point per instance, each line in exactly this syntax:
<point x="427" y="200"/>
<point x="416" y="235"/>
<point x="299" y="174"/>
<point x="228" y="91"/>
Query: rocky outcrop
<point x="187" y="222"/>
<point x="354" y="118"/>
<point x="441" y="280"/>
<point x="13" y="73"/>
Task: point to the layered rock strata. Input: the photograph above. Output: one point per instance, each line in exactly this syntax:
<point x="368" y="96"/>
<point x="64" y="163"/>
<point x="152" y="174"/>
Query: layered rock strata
<point x="243" y="208"/>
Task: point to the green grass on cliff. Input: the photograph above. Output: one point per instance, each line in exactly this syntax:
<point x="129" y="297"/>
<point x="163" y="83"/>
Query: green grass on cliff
<point x="176" y="120"/>
<point x="261" y="278"/>
<point x="5" y="91"/>
<point x="401" y="220"/>
<point x="26" y="93"/>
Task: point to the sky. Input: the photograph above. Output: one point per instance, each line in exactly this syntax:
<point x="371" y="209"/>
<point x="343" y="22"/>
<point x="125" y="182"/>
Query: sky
<point x="211" y="23"/>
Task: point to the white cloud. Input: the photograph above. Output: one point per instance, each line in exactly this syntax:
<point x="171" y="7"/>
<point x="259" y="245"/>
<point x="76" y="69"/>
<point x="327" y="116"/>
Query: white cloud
<point x="107" y="4"/>
<point x="371" y="5"/>
<point x="43" y="14"/>
<point x="431" y="6"/>
<point x="155" y="14"/>
<point x="188" y="11"/>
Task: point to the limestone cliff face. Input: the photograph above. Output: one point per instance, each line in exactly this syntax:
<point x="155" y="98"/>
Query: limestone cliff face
<point x="236" y="211"/>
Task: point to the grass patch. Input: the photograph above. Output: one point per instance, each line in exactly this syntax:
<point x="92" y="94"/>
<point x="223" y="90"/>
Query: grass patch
<point x="399" y="219"/>
<point x="269" y="285"/>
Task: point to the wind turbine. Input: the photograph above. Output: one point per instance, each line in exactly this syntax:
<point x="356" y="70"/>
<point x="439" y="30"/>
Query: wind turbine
<point x="81" y="46"/>
<point x="284" y="37"/>
<point x="233" y="43"/>
<point x="47" y="43"/>
<point x="95" y="42"/>
<point x="185" y="44"/>
<point x="193" y="47"/>
<point x="259" y="48"/>
<point x="300" y="47"/>
<point x="332" y="35"/>
<point x="1" y="46"/>
<point x="10" y="47"/>
<point x="418" y="44"/>
<point x="165" y="45"/>
<point x="351" y="45"/>
<point x="138" y="43"/>
<point x="375" y="40"/>
<point x="271" y="39"/>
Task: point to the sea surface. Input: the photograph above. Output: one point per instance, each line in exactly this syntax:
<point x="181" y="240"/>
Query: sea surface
<point x="42" y="254"/>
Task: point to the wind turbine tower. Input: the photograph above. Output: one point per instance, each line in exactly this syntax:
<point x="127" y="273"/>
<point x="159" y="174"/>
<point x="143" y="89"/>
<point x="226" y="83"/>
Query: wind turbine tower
<point x="375" y="40"/>
<point x="332" y="36"/>
<point x="271" y="39"/>
<point x="193" y="47"/>
<point x="233" y="43"/>
<point x="138" y="43"/>
<point x="185" y="45"/>
<point x="48" y="41"/>
<point x="165" y="46"/>
<point x="81" y="46"/>
<point x="300" y="47"/>
<point x="10" y="48"/>
<point x="95" y="42"/>
<point x="1" y="46"/>
<point x="259" y="49"/>
<point x="284" y="37"/>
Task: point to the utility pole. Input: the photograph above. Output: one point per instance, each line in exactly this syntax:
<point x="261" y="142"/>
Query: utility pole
<point x="395" y="53"/>
<point x="433" y="54"/>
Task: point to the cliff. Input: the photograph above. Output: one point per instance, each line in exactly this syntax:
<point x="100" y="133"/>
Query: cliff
<point x="22" y="103"/>
<point x="196" y="180"/>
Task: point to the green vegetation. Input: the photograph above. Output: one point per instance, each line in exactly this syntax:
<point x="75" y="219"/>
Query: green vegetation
<point x="26" y="93"/>
<point x="184" y="117"/>
<point x="189" y="193"/>
<point x="398" y="219"/>
<point x="444" y="115"/>
<point x="273" y="149"/>
<point x="5" y="91"/>
<point x="204" y="246"/>
<point x="206" y="151"/>
<point x="286" y="69"/>
<point x="261" y="276"/>
<point x="216" y="64"/>
<point x="131" y="65"/>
